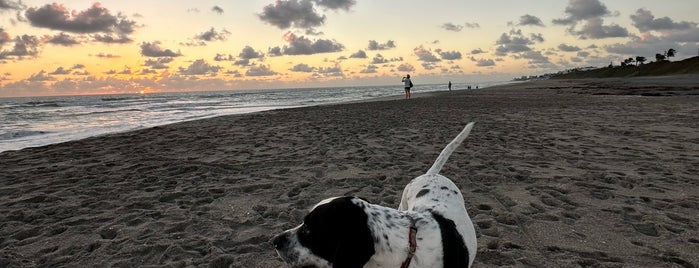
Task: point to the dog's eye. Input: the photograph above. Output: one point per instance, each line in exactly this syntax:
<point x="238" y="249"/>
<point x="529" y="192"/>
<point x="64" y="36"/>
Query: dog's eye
<point x="305" y="230"/>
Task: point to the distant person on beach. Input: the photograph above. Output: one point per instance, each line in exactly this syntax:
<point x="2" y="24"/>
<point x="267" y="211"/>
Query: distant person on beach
<point x="407" y="84"/>
<point x="449" y="85"/>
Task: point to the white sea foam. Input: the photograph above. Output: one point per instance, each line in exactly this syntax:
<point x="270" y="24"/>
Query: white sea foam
<point x="38" y="121"/>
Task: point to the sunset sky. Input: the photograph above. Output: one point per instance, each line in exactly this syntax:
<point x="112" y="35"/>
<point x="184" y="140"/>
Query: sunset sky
<point x="129" y="46"/>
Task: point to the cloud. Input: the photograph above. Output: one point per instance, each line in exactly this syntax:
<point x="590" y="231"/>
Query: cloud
<point x="63" y="39"/>
<point x="25" y="45"/>
<point x="299" y="45"/>
<point x="107" y="55"/>
<point x="330" y="71"/>
<point x="530" y="20"/>
<point x="259" y="70"/>
<point x="579" y="10"/>
<point x="485" y="63"/>
<point x="249" y="53"/>
<point x="361" y="54"/>
<point x="40" y="77"/>
<point x="425" y="55"/>
<point x="4" y="37"/>
<point x="406" y="67"/>
<point x="373" y="45"/>
<point x="514" y="42"/>
<point x="217" y="10"/>
<point x="158" y="63"/>
<point x="10" y="5"/>
<point x="95" y="19"/>
<point x="274" y="51"/>
<point x="537" y="37"/>
<point x="477" y="51"/>
<point x="594" y="29"/>
<point x="379" y="59"/>
<point x="302" y="68"/>
<point x="645" y="22"/>
<point x="472" y="25"/>
<point x="336" y="4"/>
<point x="112" y="39"/>
<point x="370" y="69"/>
<point x="452" y="27"/>
<point x="199" y="67"/>
<point x="449" y="55"/>
<point x="60" y="71"/>
<point x="154" y="50"/>
<point x="213" y="35"/>
<point x="292" y="13"/>
<point x="223" y="57"/>
<point x="568" y="48"/>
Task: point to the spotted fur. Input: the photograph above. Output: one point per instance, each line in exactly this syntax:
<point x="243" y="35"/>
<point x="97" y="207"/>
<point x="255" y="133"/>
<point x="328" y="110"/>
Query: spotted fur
<point x="351" y="232"/>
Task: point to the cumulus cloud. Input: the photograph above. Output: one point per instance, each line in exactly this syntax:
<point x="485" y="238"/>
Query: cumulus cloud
<point x="154" y="50"/>
<point x="158" y="63"/>
<point x="107" y="55"/>
<point x="223" y="57"/>
<point x="95" y="19"/>
<point x="590" y="13"/>
<point x="370" y="69"/>
<point x="330" y="71"/>
<point x="530" y="20"/>
<point x="594" y="29"/>
<point x="374" y="45"/>
<point x="63" y="39"/>
<point x="336" y="4"/>
<point x="579" y="10"/>
<point x="537" y="37"/>
<point x="361" y="54"/>
<point x="25" y="46"/>
<point x="472" y="25"/>
<point x="452" y="27"/>
<point x="60" y="71"/>
<point x="213" y="35"/>
<point x="259" y="70"/>
<point x="485" y="63"/>
<point x="406" y="67"/>
<point x="645" y="21"/>
<point x="199" y="67"/>
<point x="250" y="53"/>
<point x="568" y="48"/>
<point x="425" y="55"/>
<point x="477" y="51"/>
<point x="285" y="14"/>
<point x="112" y="39"/>
<point x="4" y="37"/>
<point x="217" y="10"/>
<point x="514" y="42"/>
<point x="449" y="55"/>
<point x="299" y="45"/>
<point x="10" y="5"/>
<point x="302" y="68"/>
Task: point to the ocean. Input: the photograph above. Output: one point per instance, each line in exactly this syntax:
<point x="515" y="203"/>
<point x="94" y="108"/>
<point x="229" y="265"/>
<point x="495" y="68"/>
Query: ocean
<point x="38" y="121"/>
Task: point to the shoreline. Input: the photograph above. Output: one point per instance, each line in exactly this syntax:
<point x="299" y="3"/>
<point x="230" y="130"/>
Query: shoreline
<point x="555" y="173"/>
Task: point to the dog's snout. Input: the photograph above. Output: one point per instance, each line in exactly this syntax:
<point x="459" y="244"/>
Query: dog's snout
<point x="279" y="241"/>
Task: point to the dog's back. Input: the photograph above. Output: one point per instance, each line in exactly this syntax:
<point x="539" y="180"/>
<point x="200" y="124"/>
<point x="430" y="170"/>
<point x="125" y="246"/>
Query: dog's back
<point x="439" y="195"/>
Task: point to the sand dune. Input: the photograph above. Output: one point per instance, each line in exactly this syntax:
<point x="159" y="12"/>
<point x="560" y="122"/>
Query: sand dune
<point x="584" y="173"/>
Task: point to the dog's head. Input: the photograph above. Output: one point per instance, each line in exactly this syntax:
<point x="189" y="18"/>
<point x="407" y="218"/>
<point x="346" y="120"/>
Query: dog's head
<point x="334" y="234"/>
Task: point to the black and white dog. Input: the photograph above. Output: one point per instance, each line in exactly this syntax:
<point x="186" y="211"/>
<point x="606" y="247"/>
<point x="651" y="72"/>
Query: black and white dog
<point x="431" y="228"/>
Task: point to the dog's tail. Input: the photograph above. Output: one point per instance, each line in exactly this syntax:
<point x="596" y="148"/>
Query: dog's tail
<point x="451" y="147"/>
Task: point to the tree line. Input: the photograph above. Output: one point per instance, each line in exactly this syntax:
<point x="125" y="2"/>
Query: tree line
<point x="639" y="60"/>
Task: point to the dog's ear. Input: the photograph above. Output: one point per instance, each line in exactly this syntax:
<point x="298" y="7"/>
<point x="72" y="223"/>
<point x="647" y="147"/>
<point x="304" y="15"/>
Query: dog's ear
<point x="355" y="249"/>
<point x="356" y="243"/>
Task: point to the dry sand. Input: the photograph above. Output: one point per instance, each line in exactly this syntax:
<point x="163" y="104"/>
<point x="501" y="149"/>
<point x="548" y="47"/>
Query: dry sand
<point x="585" y="173"/>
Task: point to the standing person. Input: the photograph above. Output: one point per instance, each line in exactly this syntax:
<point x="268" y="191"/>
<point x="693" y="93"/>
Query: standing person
<point x="407" y="84"/>
<point x="449" y="85"/>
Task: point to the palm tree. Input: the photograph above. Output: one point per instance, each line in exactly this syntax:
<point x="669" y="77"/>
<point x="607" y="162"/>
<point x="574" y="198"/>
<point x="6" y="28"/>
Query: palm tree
<point x="659" y="57"/>
<point x="640" y="60"/>
<point x="670" y="53"/>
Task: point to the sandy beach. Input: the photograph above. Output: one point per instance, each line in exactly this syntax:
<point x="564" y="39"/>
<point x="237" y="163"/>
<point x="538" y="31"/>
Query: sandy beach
<point x="557" y="173"/>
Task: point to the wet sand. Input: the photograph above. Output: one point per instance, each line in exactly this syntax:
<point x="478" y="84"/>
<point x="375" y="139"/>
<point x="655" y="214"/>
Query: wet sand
<point x="557" y="173"/>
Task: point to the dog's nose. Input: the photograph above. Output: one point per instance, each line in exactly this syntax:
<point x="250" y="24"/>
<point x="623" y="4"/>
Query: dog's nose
<point x="279" y="241"/>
